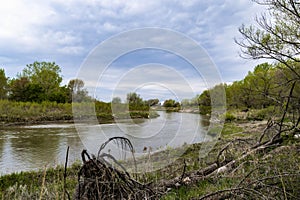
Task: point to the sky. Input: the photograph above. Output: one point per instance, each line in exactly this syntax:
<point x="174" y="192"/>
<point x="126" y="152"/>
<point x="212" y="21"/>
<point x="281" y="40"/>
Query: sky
<point x="151" y="44"/>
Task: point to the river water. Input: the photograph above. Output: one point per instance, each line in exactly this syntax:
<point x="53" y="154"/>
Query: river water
<point x="24" y="148"/>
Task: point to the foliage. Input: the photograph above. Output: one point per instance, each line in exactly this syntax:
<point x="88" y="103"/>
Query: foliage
<point x="11" y="111"/>
<point x="134" y="99"/>
<point x="38" y="82"/>
<point x="153" y="102"/>
<point x="229" y="117"/>
<point x="265" y="89"/>
<point x="171" y="105"/>
<point x="3" y="84"/>
<point x="45" y="74"/>
<point x="76" y="91"/>
<point x="204" y="102"/>
<point x="135" y="102"/>
<point x="276" y="37"/>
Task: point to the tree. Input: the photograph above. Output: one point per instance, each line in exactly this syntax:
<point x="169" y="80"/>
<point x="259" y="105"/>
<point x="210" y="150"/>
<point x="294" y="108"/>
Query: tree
<point x="3" y="84"/>
<point x="136" y="103"/>
<point x="152" y="102"/>
<point x="45" y="74"/>
<point x="134" y="99"/>
<point x="116" y="100"/>
<point x="61" y="95"/>
<point x="22" y="89"/>
<point x="77" y="91"/>
<point x="277" y="37"/>
<point x="75" y="85"/>
<point x="39" y="82"/>
<point x="171" y="105"/>
<point x="18" y="89"/>
<point x="204" y="102"/>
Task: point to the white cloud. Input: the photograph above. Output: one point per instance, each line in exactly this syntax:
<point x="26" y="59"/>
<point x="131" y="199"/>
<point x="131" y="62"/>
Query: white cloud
<point x="19" y="18"/>
<point x="72" y="50"/>
<point x="67" y="30"/>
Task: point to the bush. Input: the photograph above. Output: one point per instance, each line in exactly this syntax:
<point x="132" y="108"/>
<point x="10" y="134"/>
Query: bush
<point x="229" y="117"/>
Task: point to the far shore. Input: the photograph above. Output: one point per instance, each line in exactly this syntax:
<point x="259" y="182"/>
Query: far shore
<point x="102" y="119"/>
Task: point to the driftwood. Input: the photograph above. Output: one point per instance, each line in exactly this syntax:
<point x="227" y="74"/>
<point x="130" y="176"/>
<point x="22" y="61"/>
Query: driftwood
<point x="98" y="179"/>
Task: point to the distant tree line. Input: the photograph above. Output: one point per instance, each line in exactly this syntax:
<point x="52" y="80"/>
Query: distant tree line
<point x="268" y="85"/>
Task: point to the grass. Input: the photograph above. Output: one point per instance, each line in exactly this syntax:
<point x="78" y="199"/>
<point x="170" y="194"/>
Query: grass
<point x="264" y="168"/>
<point x="272" y="173"/>
<point x="47" y="183"/>
<point x="230" y="130"/>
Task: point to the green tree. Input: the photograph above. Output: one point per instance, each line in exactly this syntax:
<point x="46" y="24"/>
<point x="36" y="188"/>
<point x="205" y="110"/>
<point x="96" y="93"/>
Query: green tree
<point x="152" y="102"/>
<point x="45" y="74"/>
<point x="135" y="102"/>
<point x="204" y="102"/>
<point x="3" y="84"/>
<point x="235" y="95"/>
<point x="169" y="103"/>
<point x="276" y="37"/>
<point x="19" y="88"/>
<point x="22" y="89"/>
<point x="134" y="99"/>
<point x="172" y="105"/>
<point x="39" y="82"/>
<point x="195" y="101"/>
<point x="262" y="79"/>
<point x="60" y="95"/>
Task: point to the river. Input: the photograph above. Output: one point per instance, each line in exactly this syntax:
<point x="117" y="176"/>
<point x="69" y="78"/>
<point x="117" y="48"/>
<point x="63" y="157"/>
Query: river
<point x="24" y="148"/>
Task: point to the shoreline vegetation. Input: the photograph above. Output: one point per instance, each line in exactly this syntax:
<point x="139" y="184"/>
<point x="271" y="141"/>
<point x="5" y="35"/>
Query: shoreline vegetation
<point x="27" y="113"/>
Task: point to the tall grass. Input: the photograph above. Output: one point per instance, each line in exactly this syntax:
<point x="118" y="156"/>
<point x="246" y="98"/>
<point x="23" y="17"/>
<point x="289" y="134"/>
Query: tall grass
<point x="43" y="184"/>
<point x="11" y="111"/>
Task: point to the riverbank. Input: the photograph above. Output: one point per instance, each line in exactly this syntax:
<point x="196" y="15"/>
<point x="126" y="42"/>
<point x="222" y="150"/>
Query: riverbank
<point x="241" y="115"/>
<point x="30" y="113"/>
<point x="249" y="172"/>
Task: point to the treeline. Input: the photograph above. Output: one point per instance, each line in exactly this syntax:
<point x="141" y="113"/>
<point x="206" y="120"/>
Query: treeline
<point x="36" y="95"/>
<point x="41" y="81"/>
<point x="266" y="88"/>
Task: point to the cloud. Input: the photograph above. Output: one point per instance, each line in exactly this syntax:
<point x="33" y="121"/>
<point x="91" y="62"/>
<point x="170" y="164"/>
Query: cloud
<point x="66" y="31"/>
<point x="19" y="20"/>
